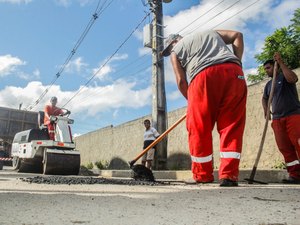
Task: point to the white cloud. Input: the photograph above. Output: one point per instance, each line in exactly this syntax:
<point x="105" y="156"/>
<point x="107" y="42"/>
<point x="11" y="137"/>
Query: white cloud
<point x="209" y="14"/>
<point x="262" y="17"/>
<point x="125" y="94"/>
<point x="174" y="95"/>
<point x="144" y="51"/>
<point x="101" y="72"/>
<point x="36" y="73"/>
<point x="16" y="1"/>
<point x="139" y="34"/>
<point x="64" y="3"/>
<point x="76" y="135"/>
<point x="111" y="97"/>
<point x="169" y="73"/>
<point x="75" y="65"/>
<point x="12" y="96"/>
<point x="90" y="101"/>
<point x="9" y="64"/>
<point x="251" y="71"/>
<point x="107" y="67"/>
<point x="84" y="2"/>
<point x="280" y="15"/>
<point x="115" y="113"/>
<point x="67" y="3"/>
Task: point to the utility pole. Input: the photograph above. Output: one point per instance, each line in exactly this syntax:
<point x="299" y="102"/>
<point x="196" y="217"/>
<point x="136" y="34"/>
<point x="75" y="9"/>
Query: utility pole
<point x="159" y="114"/>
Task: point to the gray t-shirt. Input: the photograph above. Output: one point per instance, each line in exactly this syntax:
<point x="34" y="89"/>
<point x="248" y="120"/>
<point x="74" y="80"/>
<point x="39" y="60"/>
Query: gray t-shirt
<point x="200" y="50"/>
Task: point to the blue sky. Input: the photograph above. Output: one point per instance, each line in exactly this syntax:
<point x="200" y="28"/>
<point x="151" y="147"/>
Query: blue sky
<point x="37" y="36"/>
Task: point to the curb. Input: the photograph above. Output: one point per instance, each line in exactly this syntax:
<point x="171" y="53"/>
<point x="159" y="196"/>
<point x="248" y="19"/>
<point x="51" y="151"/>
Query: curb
<point x="268" y="176"/>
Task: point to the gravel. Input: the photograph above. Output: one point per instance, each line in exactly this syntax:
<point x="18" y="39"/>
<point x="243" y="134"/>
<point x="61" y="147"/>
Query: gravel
<point x="88" y="180"/>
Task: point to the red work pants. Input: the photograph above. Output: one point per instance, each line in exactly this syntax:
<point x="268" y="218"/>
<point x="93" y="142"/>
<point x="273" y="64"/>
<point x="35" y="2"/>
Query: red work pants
<point x="287" y="136"/>
<point x="51" y="131"/>
<point x="216" y="95"/>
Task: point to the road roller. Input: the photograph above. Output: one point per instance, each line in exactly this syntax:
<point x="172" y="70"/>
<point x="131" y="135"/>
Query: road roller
<point x="34" y="152"/>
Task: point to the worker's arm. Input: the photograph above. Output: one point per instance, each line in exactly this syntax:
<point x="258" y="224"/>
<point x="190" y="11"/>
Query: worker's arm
<point x="155" y="132"/>
<point x="289" y="75"/>
<point x="234" y="38"/>
<point x="180" y="75"/>
<point x="264" y="102"/>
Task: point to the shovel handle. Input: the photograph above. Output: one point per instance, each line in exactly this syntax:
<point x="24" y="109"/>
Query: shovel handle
<point x="131" y="163"/>
<point x="253" y="172"/>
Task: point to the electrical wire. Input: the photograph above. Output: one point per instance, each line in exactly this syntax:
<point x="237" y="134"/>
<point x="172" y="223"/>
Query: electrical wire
<point x="101" y="90"/>
<point x="220" y="14"/>
<point x="200" y="16"/>
<point x="98" y="92"/>
<point x="235" y="14"/>
<point x="215" y="16"/>
<point x="95" y="16"/>
<point x="108" y="60"/>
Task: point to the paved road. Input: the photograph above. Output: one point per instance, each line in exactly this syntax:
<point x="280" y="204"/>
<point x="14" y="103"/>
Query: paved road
<point x="37" y="204"/>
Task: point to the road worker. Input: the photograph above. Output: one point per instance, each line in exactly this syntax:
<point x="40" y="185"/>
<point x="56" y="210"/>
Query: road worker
<point x="285" y="115"/>
<point x="51" y="110"/>
<point x="209" y="75"/>
<point x="150" y="135"/>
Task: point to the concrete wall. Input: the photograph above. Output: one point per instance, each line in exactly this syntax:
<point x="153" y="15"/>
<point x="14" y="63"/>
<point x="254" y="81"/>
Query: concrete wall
<point x="120" y="144"/>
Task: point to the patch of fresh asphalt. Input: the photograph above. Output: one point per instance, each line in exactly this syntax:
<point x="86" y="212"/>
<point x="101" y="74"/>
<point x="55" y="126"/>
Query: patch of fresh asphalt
<point x="72" y="180"/>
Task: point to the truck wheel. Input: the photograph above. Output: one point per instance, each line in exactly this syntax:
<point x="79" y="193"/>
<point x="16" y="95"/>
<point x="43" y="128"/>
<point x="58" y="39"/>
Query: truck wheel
<point x="16" y="162"/>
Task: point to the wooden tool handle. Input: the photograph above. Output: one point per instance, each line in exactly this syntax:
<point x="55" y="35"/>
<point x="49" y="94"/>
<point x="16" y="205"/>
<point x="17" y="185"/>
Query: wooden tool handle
<point x="157" y="140"/>
<point x="266" y="122"/>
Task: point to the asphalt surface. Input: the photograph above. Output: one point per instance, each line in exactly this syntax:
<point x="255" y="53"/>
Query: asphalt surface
<point x="128" y="202"/>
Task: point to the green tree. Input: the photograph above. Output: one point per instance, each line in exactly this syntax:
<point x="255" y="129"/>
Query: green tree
<point x="284" y="40"/>
<point x="295" y="26"/>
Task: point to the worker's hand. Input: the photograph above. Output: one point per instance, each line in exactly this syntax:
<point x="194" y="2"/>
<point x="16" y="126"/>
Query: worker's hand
<point x="277" y="57"/>
<point x="269" y="116"/>
<point x="53" y="119"/>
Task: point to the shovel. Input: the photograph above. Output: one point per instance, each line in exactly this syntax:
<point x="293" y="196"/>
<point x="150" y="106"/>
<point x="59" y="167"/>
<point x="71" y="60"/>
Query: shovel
<point x="142" y="172"/>
<point x="253" y="172"/>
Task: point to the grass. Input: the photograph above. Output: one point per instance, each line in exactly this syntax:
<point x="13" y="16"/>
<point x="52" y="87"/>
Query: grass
<point x="103" y="164"/>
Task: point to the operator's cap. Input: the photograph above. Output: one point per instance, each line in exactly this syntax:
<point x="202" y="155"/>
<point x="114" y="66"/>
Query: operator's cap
<point x="53" y="99"/>
<point x="170" y="39"/>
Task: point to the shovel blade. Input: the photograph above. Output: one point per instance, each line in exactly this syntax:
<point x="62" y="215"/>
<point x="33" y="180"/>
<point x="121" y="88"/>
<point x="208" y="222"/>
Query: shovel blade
<point x="251" y="181"/>
<point x="140" y="172"/>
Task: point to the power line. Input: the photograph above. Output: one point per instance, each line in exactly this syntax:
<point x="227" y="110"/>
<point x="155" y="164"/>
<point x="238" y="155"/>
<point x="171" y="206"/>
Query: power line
<point x="201" y="16"/>
<point x="95" y="16"/>
<point x="101" y="90"/>
<point x="116" y="51"/>
<point x="215" y="15"/>
<point x="236" y="14"/>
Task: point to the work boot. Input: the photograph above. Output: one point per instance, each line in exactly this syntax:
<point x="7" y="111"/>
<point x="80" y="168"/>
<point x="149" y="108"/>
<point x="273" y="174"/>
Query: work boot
<point x="191" y="181"/>
<point x="228" y="183"/>
<point x="291" y="180"/>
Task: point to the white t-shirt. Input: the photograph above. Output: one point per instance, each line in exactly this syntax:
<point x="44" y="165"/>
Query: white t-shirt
<point x="150" y="134"/>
